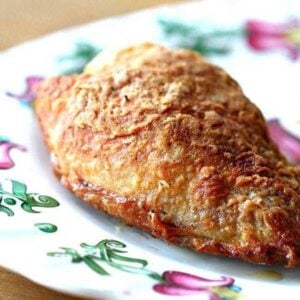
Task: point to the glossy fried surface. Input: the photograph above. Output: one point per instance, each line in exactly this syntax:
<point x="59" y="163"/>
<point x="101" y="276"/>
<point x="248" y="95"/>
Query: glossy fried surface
<point x="168" y="142"/>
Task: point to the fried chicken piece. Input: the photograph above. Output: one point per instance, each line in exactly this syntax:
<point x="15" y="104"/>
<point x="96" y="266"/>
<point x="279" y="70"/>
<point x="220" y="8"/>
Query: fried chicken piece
<point x="167" y="142"/>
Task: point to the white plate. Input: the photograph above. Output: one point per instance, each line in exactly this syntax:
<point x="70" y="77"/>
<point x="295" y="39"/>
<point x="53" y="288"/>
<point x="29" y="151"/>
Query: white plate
<point x="269" y="78"/>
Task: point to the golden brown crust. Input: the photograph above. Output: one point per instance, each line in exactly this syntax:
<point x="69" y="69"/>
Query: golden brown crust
<point x="169" y="143"/>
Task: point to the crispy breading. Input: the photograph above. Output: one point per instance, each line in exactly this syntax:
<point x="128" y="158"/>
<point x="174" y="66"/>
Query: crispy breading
<point x="168" y="142"/>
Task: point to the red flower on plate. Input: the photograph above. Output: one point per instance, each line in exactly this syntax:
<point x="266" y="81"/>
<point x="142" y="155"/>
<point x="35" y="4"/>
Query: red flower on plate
<point x="29" y="94"/>
<point x="181" y="284"/>
<point x="264" y="36"/>
<point x="287" y="143"/>
<point x="6" y="161"/>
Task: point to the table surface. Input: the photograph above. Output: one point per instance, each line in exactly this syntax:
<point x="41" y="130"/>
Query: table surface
<point x="21" y="20"/>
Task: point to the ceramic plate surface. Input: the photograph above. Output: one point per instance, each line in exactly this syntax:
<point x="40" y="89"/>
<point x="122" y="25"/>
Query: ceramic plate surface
<point x="53" y="238"/>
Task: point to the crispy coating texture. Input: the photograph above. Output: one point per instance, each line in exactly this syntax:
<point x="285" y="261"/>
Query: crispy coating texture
<point x="167" y="142"/>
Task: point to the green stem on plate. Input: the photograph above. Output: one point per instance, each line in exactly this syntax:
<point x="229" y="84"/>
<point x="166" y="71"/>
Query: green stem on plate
<point x="108" y="252"/>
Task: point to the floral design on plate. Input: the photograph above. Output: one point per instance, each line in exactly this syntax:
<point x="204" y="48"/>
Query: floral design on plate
<point x="12" y="191"/>
<point x="71" y="63"/>
<point x="6" y="161"/>
<point x="29" y="94"/>
<point x="287" y="143"/>
<point x="265" y="36"/>
<point x="259" y="35"/>
<point x="75" y="61"/>
<point x="203" y="38"/>
<point x="172" y="283"/>
<point x="108" y="252"/>
<point x="182" y="284"/>
<point x="46" y="227"/>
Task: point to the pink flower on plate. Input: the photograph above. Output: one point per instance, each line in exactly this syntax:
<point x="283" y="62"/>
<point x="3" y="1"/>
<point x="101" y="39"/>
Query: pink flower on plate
<point x="6" y="161"/>
<point x="287" y="143"/>
<point x="182" y="284"/>
<point x="29" y="94"/>
<point x="264" y="36"/>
